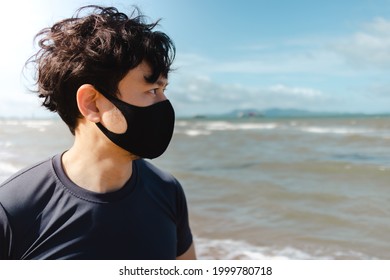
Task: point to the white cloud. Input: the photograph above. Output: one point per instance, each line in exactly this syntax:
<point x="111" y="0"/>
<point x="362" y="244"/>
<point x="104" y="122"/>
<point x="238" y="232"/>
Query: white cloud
<point x="349" y="71"/>
<point x="366" y="48"/>
<point x="296" y="91"/>
<point x="194" y="95"/>
<point x="369" y="48"/>
<point x="379" y="25"/>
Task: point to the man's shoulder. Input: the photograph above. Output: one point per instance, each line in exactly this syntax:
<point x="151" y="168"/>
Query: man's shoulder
<point x="156" y="181"/>
<point x="147" y="170"/>
<point x="27" y="174"/>
<point x="27" y="184"/>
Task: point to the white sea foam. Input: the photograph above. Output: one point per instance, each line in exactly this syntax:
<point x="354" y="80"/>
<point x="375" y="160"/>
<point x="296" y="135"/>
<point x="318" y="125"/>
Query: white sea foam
<point x="207" y="128"/>
<point x="228" y="249"/>
<point x="34" y="124"/>
<point x="27" y="123"/>
<point x="334" y="130"/>
<point x="181" y="123"/>
<point x="217" y="126"/>
<point x="196" y="132"/>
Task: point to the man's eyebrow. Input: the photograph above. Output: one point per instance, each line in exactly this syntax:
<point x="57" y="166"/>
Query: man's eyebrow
<point x="162" y="83"/>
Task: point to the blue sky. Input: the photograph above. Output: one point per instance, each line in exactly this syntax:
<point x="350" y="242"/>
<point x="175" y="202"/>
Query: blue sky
<point x="314" y="55"/>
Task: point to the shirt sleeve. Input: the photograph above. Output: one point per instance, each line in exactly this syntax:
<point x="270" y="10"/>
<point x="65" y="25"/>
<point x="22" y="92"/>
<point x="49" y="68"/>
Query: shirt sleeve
<point x="5" y="235"/>
<point x="184" y="235"/>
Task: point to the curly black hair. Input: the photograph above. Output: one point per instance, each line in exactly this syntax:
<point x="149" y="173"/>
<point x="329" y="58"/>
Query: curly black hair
<point x="98" y="48"/>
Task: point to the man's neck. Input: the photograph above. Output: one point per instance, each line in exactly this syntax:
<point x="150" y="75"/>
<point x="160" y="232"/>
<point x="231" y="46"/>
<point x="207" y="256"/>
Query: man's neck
<point x="97" y="170"/>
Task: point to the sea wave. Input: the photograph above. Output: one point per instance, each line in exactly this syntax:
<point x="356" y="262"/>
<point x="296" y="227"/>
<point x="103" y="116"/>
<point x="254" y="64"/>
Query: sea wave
<point x="206" y="128"/>
<point x="39" y="125"/>
<point x="238" y="126"/>
<point x="228" y="249"/>
<point x="335" y="130"/>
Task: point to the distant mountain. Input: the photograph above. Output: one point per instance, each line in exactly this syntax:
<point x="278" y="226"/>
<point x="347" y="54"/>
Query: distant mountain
<point x="277" y="112"/>
<point x="246" y="113"/>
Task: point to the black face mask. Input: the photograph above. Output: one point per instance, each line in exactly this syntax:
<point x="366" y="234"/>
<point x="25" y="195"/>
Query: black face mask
<point x="149" y="129"/>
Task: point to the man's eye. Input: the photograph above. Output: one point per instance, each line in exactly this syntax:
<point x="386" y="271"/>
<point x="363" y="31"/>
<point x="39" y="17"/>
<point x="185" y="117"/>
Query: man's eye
<point x="153" y="91"/>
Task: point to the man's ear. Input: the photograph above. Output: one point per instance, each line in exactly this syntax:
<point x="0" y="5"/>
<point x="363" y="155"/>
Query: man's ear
<point x="86" y="101"/>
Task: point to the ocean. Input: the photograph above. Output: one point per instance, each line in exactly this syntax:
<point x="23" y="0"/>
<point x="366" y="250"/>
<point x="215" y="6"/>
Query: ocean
<point x="283" y="188"/>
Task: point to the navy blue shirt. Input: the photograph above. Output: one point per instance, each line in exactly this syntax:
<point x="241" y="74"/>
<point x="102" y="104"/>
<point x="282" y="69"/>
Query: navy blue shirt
<point x="44" y="215"/>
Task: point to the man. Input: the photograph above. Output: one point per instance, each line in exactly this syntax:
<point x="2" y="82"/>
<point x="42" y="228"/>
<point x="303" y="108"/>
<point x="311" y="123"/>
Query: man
<point x="105" y="74"/>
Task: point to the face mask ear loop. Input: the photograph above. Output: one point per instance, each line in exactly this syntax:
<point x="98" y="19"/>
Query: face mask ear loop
<point x="118" y="103"/>
<point x="105" y="94"/>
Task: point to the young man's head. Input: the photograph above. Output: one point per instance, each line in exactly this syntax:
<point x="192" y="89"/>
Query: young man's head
<point x="98" y="46"/>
